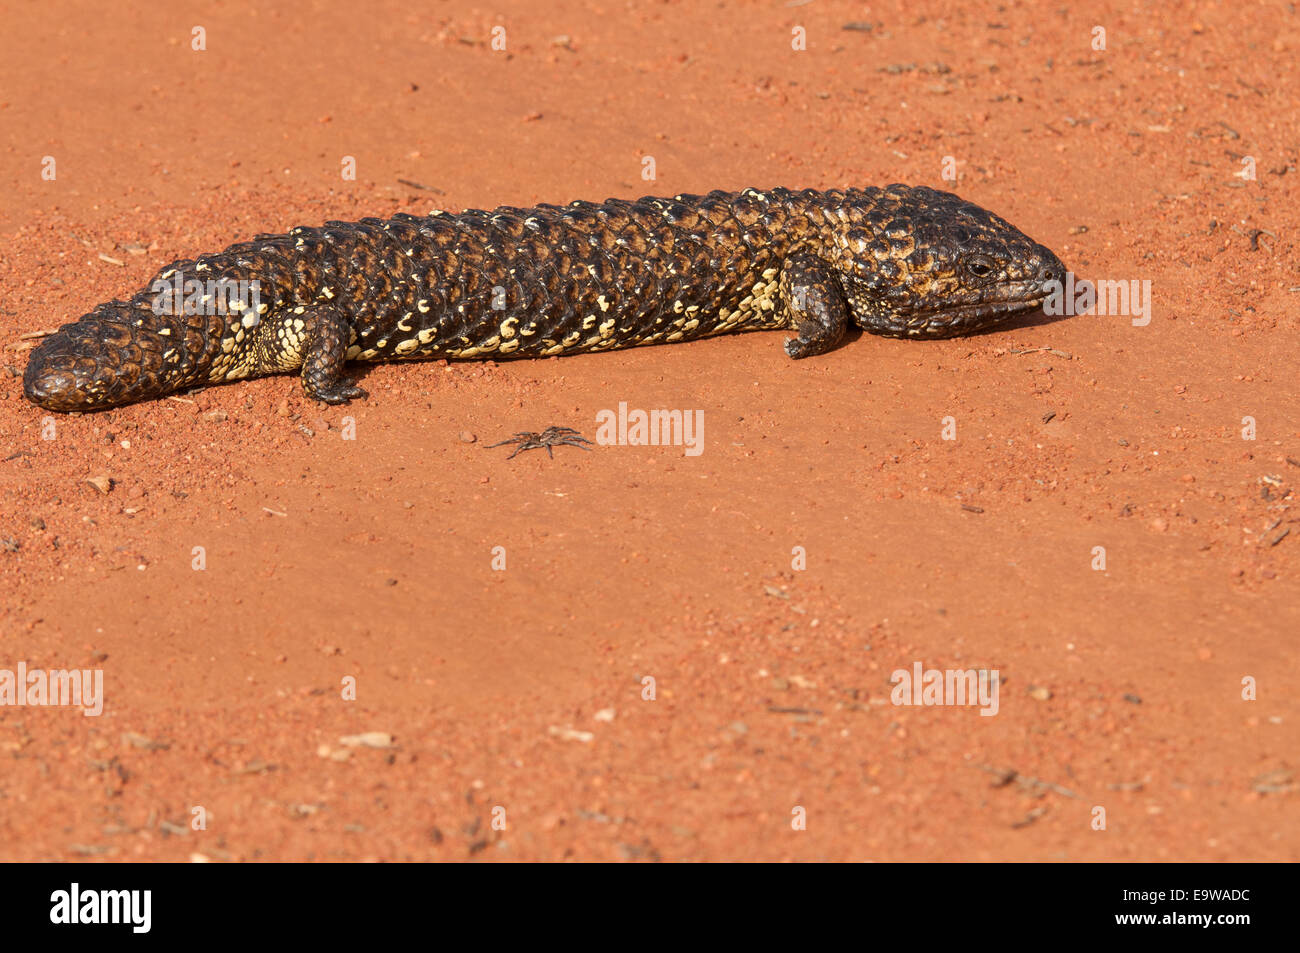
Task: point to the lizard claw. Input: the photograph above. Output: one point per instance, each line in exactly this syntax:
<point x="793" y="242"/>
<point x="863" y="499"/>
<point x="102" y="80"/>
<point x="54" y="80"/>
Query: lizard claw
<point x="340" y="393"/>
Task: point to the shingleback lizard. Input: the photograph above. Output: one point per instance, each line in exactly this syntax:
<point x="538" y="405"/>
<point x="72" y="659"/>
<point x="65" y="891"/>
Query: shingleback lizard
<point x="516" y="282"/>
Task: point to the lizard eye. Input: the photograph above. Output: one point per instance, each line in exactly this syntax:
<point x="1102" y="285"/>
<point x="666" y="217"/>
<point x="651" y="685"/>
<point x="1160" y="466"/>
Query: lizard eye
<point x="979" y="266"/>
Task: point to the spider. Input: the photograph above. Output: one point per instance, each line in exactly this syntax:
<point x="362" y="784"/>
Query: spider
<point x="548" y="438"/>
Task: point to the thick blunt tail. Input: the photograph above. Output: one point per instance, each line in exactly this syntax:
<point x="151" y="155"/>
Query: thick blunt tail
<point x="117" y="354"/>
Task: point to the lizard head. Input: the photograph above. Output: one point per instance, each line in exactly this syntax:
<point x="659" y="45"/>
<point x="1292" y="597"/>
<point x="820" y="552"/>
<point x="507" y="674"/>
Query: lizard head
<point x="914" y="262"/>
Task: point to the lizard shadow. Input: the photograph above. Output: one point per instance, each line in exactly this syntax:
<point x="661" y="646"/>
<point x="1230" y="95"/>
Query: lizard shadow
<point x="1030" y="319"/>
<point x="358" y="371"/>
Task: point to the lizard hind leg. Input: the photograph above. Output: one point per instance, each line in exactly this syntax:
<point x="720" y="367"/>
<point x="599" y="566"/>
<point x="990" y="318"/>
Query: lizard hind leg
<point x="815" y="302"/>
<point x="326" y="334"/>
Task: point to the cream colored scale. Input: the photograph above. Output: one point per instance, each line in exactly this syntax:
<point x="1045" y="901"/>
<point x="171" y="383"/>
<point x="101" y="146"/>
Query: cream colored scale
<point x="289" y="339"/>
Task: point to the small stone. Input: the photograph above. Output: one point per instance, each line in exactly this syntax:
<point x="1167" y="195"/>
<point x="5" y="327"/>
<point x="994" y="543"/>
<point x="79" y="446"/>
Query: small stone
<point x="101" y="483"/>
<point x="1280" y="781"/>
<point x="1040" y="694"/>
<point x="368" y="739"/>
<point x="571" y="734"/>
<point x="467" y="437"/>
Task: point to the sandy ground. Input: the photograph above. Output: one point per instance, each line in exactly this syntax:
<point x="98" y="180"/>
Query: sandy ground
<point x="516" y="700"/>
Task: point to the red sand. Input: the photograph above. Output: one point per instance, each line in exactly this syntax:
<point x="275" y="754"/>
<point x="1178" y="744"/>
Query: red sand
<point x="518" y="694"/>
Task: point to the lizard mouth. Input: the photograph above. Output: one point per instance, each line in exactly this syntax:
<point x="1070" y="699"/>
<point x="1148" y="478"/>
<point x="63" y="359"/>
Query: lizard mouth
<point x="957" y="319"/>
<point x="994" y="304"/>
<point x="979" y="310"/>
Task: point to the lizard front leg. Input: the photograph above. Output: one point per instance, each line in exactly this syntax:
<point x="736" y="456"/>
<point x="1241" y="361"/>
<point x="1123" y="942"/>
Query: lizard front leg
<point x="815" y="303"/>
<point x="326" y="336"/>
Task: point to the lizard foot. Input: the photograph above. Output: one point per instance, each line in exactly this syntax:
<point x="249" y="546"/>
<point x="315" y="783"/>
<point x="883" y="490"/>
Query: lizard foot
<point x="339" y="393"/>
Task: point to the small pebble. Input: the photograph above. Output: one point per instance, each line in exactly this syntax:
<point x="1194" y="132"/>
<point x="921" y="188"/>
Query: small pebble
<point x="368" y="739"/>
<point x="101" y="483"/>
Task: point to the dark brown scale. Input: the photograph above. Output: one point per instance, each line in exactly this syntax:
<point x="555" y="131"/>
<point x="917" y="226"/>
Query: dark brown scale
<point x="516" y="282"/>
